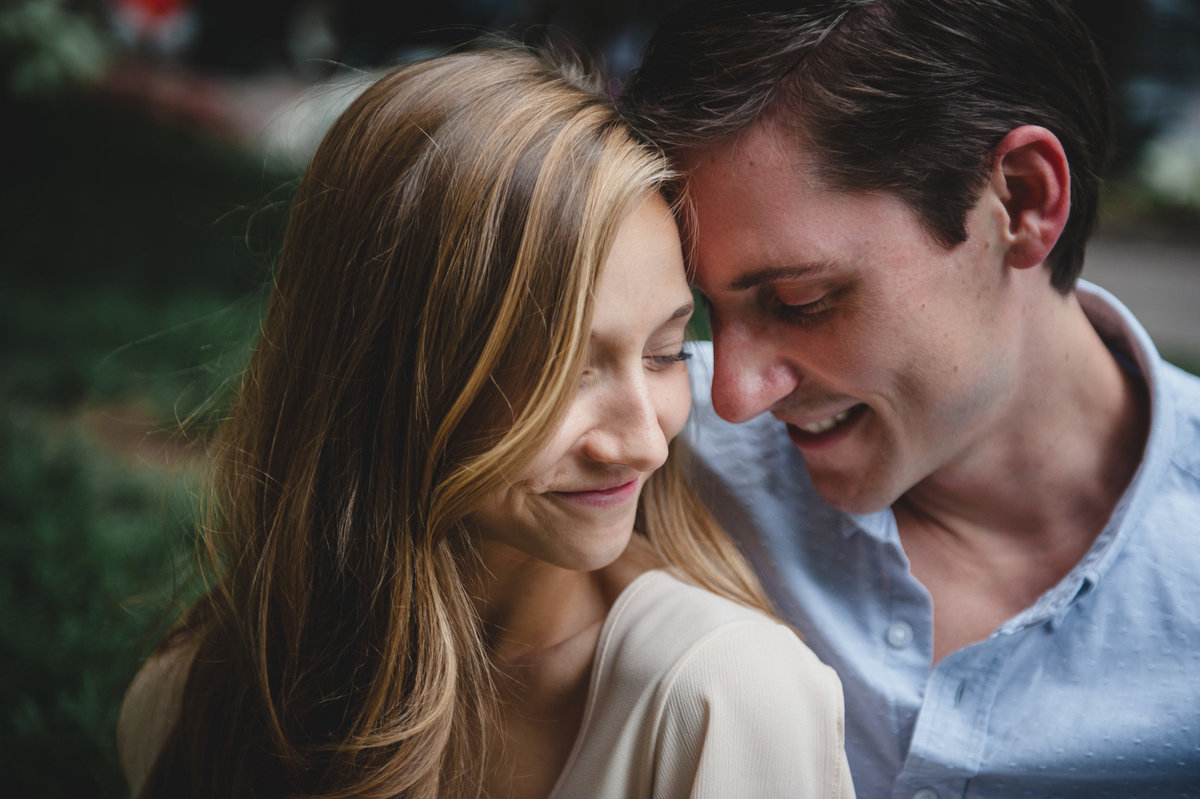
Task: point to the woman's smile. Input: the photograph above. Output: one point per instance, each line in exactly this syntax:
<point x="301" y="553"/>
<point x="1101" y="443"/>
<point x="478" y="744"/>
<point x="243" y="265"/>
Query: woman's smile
<point x="574" y="505"/>
<point x="604" y="496"/>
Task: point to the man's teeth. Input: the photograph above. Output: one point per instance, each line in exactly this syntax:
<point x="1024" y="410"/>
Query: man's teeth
<point x="825" y="424"/>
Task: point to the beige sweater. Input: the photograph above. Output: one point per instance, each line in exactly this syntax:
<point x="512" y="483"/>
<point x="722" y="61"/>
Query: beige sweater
<point x="695" y="696"/>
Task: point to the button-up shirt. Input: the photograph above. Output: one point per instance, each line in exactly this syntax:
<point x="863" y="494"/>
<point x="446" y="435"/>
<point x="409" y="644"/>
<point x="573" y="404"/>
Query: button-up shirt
<point x="1093" y="691"/>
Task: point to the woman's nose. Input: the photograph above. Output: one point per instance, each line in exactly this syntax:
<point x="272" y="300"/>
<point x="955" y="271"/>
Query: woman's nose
<point x="628" y="430"/>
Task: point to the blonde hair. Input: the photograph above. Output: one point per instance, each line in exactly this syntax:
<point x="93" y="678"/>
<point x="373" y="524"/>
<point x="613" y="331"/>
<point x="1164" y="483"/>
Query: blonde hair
<point x="426" y="334"/>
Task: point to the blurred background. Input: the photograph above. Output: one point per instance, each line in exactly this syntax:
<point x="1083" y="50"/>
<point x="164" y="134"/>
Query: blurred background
<point x="149" y="150"/>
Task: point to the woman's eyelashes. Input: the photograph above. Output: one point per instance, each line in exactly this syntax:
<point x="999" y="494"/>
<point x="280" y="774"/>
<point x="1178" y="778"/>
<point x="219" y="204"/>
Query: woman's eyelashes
<point x="653" y="363"/>
<point x="657" y="363"/>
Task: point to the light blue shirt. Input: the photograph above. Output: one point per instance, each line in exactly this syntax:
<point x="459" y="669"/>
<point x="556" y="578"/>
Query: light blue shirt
<point x="1094" y="691"/>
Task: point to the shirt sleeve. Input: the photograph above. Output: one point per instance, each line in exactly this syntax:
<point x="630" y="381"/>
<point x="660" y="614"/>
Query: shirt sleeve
<point x="750" y="711"/>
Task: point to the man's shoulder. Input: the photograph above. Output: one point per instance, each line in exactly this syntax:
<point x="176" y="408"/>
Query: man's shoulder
<point x="1183" y="387"/>
<point x="1182" y="384"/>
<point x="1183" y="395"/>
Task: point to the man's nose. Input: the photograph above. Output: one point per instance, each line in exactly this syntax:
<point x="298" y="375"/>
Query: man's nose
<point x="749" y="373"/>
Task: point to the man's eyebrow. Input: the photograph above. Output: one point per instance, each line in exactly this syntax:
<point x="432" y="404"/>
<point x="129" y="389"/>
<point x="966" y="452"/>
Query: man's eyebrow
<point x="774" y="273"/>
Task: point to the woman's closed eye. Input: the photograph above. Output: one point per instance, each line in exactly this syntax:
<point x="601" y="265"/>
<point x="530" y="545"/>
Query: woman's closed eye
<point x="657" y="363"/>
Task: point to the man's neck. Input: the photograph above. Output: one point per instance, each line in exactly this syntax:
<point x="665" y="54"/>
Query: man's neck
<point x="994" y="530"/>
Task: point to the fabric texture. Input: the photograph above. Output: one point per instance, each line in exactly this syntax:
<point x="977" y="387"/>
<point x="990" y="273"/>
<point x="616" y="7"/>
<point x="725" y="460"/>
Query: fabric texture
<point x="1093" y="691"/>
<point x="694" y="696"/>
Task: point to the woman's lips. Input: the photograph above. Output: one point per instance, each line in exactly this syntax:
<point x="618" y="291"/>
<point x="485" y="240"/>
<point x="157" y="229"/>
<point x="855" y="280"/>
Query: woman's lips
<point x="603" y="497"/>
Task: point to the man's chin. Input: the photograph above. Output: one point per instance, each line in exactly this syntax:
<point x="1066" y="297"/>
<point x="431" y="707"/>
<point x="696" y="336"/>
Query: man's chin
<point x="853" y="494"/>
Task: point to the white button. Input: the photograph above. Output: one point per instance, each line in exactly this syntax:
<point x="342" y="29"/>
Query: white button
<point x="900" y="635"/>
<point x="926" y="793"/>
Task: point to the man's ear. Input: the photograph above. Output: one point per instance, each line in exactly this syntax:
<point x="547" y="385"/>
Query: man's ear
<point x="1031" y="176"/>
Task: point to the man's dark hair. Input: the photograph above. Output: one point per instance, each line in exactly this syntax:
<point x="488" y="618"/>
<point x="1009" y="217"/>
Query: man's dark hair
<point x="904" y="96"/>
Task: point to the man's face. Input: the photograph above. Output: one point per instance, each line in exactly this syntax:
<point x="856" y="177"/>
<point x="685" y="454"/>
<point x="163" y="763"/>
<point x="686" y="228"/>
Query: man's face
<point x="890" y="357"/>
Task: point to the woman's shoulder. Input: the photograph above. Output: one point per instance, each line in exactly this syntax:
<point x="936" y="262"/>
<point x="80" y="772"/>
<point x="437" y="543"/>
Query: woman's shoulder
<point x="668" y="605"/>
<point x="696" y="695"/>
<point x="152" y="704"/>
<point x="665" y="624"/>
<point x="749" y="710"/>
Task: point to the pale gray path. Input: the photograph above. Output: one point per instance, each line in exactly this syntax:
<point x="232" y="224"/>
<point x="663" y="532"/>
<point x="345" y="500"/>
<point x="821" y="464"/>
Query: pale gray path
<point x="1160" y="282"/>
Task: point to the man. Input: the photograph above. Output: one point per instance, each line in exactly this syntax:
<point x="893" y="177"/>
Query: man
<point x="969" y="480"/>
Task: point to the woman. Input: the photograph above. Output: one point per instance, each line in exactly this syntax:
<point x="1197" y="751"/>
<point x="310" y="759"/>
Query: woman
<point x="426" y="580"/>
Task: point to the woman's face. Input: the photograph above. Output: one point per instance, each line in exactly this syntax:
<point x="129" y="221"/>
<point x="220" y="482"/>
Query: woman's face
<point x="574" y="505"/>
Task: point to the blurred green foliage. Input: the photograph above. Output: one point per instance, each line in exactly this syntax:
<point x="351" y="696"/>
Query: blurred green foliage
<point x="90" y="551"/>
<point x="45" y="47"/>
<point x="134" y="265"/>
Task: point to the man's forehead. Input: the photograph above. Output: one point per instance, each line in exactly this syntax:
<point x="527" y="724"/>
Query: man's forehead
<point x="737" y="190"/>
<point x="756" y="214"/>
<point x="765" y="145"/>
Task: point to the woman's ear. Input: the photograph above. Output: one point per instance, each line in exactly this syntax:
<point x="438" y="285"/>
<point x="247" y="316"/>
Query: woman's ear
<point x="1032" y="178"/>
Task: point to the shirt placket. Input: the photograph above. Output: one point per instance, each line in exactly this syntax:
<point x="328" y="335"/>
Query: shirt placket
<point x="951" y="731"/>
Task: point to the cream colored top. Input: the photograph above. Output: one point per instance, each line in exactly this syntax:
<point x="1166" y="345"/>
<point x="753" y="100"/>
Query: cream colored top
<point x="691" y="695"/>
<point x="694" y="696"/>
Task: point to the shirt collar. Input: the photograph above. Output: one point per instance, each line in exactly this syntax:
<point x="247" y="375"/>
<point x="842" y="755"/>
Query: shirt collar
<point x="880" y="525"/>
<point x="1130" y="342"/>
<point x="1125" y="336"/>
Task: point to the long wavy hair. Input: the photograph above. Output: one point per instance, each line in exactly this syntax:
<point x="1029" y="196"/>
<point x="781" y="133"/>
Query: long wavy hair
<point x="426" y="334"/>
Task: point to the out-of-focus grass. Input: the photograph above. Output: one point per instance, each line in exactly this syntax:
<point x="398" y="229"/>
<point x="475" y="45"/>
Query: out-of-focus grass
<point x="133" y="261"/>
<point x="91" y="550"/>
